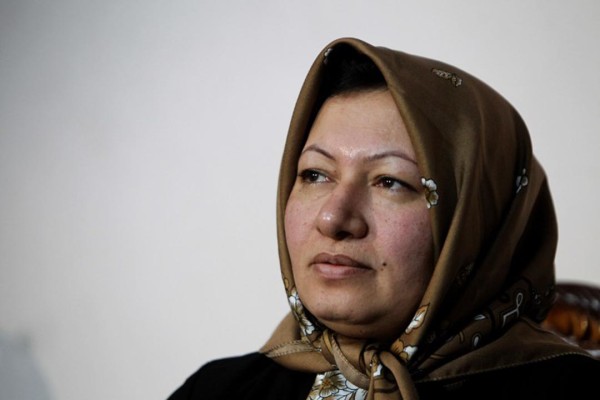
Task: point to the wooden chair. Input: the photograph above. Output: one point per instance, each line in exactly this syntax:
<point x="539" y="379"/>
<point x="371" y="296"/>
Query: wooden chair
<point x="576" y="315"/>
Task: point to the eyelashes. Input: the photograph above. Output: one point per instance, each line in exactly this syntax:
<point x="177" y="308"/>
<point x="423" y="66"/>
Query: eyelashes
<point x="391" y="183"/>
<point x="313" y="176"/>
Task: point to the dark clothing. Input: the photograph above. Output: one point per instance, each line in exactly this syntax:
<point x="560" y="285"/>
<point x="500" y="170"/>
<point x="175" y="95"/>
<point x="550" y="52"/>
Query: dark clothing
<point x="254" y="376"/>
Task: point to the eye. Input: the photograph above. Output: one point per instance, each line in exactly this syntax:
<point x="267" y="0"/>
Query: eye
<point x="387" y="182"/>
<point x="312" y="176"/>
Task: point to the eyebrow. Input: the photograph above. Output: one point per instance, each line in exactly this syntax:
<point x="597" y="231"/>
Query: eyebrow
<point x="372" y="157"/>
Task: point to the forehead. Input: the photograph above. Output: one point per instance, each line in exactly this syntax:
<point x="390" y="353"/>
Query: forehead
<point x="361" y="122"/>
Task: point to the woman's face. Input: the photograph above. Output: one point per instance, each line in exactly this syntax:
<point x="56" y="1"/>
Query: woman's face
<point x="357" y="224"/>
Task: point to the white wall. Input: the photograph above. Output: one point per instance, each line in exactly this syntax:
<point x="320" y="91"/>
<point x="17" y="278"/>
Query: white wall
<point x="139" y="148"/>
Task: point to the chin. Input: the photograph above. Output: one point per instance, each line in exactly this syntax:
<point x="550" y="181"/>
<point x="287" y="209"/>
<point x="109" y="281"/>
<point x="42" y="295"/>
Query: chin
<point x="354" y="332"/>
<point x="377" y="328"/>
<point x="350" y="326"/>
<point x="361" y="332"/>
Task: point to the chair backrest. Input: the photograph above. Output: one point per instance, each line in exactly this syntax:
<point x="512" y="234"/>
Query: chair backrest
<point x="576" y="315"/>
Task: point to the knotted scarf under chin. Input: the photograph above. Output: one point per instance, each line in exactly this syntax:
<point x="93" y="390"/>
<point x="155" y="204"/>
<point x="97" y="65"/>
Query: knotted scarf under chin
<point x="379" y="371"/>
<point x="371" y="367"/>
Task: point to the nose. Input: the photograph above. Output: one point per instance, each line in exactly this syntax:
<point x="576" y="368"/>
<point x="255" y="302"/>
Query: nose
<point x="342" y="216"/>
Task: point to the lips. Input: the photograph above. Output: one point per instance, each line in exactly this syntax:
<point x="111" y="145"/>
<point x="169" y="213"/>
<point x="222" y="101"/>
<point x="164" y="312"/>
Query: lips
<point x="338" y="260"/>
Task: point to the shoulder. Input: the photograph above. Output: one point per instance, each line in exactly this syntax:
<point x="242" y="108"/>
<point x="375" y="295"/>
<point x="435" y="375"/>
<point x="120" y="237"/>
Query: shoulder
<point x="564" y="377"/>
<point x="571" y="376"/>
<point x="251" y="376"/>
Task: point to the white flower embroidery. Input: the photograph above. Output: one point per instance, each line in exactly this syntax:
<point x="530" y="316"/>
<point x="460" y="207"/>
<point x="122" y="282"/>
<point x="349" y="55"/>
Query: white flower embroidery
<point x="522" y="180"/>
<point x="332" y="385"/>
<point x="475" y="340"/>
<point x="405" y="351"/>
<point x="410" y="351"/>
<point x="452" y="77"/>
<point x="417" y="320"/>
<point x="431" y="196"/>
<point x="306" y="325"/>
<point x="378" y="371"/>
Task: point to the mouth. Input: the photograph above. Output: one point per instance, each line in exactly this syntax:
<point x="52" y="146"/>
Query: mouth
<point x="338" y="266"/>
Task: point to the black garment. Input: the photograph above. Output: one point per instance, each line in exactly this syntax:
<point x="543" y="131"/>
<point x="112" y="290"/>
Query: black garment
<point x="255" y="376"/>
<point x="249" y="377"/>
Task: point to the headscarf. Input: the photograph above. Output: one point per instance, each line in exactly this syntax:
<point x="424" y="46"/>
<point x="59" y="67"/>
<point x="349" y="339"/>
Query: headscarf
<point x="494" y="236"/>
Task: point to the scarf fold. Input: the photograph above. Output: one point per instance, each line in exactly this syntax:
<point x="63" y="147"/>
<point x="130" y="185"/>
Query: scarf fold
<point x="494" y="232"/>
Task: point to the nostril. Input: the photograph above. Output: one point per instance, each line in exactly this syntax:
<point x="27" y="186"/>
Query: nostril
<point x="341" y="235"/>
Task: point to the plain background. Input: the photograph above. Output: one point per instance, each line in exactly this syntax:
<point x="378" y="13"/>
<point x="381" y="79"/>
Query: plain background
<point x="139" y="149"/>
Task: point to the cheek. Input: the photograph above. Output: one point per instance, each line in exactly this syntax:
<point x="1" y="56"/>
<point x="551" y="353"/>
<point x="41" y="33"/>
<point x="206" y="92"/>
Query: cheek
<point x="409" y="242"/>
<point x="295" y="225"/>
<point x="297" y="237"/>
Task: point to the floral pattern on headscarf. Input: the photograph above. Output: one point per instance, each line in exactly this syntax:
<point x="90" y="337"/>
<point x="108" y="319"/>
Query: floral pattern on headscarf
<point x="431" y="194"/>
<point x="417" y="320"/>
<point x="306" y="325"/>
<point x="522" y="180"/>
<point x="333" y="385"/>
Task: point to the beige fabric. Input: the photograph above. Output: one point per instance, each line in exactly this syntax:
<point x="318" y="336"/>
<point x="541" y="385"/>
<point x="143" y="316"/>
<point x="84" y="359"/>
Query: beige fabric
<point x="494" y="235"/>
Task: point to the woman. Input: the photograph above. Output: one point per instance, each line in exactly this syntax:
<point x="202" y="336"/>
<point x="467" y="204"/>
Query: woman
<point x="417" y="239"/>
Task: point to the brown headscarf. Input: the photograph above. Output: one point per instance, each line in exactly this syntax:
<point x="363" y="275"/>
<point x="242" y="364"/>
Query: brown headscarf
<point x="494" y="233"/>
